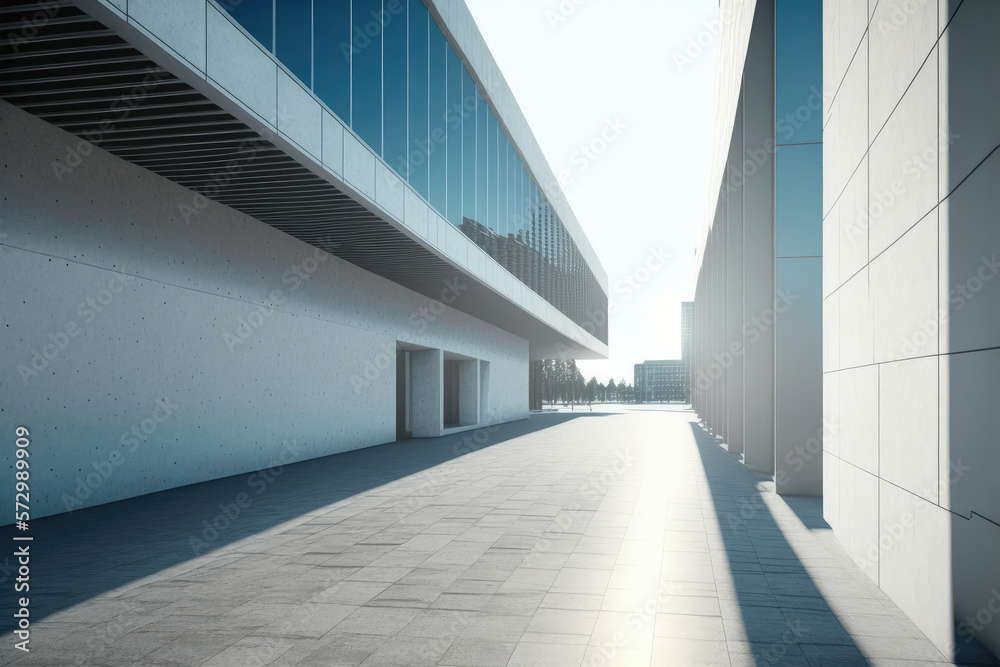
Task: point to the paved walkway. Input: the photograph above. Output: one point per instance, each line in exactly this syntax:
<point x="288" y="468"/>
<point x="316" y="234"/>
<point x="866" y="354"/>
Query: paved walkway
<point x="584" y="539"/>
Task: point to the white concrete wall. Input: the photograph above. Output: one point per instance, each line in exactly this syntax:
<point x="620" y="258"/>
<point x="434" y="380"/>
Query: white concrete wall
<point x="912" y="304"/>
<point x="250" y="337"/>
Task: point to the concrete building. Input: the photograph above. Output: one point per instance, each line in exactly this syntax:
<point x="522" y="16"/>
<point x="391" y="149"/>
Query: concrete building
<point x="662" y="381"/>
<point x="905" y="119"/>
<point x="240" y="234"/>
<point x="911" y="309"/>
<point x="757" y="373"/>
<point x="668" y="380"/>
<point x="687" y="338"/>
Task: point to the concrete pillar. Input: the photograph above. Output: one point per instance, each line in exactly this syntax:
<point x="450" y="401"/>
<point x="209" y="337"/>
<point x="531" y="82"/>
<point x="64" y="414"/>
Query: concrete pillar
<point x="734" y="293"/>
<point x="428" y="393"/>
<point x="758" y="240"/>
<point x="468" y="392"/>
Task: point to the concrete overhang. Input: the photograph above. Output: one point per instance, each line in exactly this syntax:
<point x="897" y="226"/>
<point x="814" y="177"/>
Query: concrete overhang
<point x="184" y="103"/>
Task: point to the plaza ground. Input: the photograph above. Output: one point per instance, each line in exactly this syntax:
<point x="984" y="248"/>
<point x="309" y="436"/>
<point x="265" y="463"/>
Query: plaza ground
<point x="613" y="537"/>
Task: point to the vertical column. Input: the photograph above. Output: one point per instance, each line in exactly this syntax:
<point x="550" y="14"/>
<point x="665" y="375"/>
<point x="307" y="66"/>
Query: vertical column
<point x="428" y="393"/>
<point x="733" y="355"/>
<point x="468" y="392"/>
<point x="798" y="229"/>
<point x="722" y="272"/>
<point x="758" y="241"/>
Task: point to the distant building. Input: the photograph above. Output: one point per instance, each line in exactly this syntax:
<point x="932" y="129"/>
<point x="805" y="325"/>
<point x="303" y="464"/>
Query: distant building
<point x="662" y="382"/>
<point x="668" y="381"/>
<point x="687" y="325"/>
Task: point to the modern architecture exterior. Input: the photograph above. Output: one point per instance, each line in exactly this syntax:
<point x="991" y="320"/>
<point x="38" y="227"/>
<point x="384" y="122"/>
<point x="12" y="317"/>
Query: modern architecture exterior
<point x="668" y="380"/>
<point x="865" y="133"/>
<point x="663" y="381"/>
<point x="241" y="234"/>
<point x="757" y="375"/>
<point x="911" y="309"/>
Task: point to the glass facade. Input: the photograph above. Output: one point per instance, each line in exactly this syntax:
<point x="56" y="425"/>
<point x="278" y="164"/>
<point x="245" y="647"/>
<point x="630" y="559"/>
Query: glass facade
<point x="798" y="128"/>
<point x="387" y="70"/>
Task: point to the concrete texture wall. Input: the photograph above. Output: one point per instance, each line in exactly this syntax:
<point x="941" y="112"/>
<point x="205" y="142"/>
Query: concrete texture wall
<point x="912" y="305"/>
<point x="145" y="353"/>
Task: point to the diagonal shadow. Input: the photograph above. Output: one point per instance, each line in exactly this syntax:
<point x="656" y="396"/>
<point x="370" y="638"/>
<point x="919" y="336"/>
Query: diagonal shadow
<point x="77" y="556"/>
<point x="784" y="615"/>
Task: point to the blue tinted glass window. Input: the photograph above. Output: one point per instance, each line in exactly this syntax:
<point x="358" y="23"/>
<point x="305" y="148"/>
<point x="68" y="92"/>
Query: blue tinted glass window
<point x="469" y="95"/>
<point x="456" y="111"/>
<point x="394" y="85"/>
<point x="533" y="205"/>
<point x="417" y="156"/>
<point x="293" y="37"/>
<point x="798" y="201"/>
<point x="515" y="163"/>
<point x="366" y="74"/>
<point x="492" y="169"/>
<point x="438" y="152"/>
<point x="503" y="150"/>
<point x="520" y="206"/>
<point x="256" y="16"/>
<point x="798" y="71"/>
<point x="332" y="36"/>
<point x="482" y="174"/>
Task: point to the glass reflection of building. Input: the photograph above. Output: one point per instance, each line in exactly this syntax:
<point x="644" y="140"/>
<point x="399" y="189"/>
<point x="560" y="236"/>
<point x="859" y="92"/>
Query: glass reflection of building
<point x="388" y="71"/>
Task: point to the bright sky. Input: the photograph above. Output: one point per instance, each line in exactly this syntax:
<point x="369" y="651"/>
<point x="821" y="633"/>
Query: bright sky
<point x="642" y="72"/>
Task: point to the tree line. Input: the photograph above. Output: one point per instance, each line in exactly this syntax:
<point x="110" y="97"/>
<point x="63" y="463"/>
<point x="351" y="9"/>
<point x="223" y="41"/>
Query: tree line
<point x="562" y="382"/>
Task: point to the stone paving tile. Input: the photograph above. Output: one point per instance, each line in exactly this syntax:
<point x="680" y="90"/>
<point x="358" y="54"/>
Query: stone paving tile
<point x="597" y="539"/>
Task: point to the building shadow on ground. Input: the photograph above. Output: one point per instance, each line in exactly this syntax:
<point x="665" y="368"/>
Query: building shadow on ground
<point x="79" y="555"/>
<point x="785" y="619"/>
